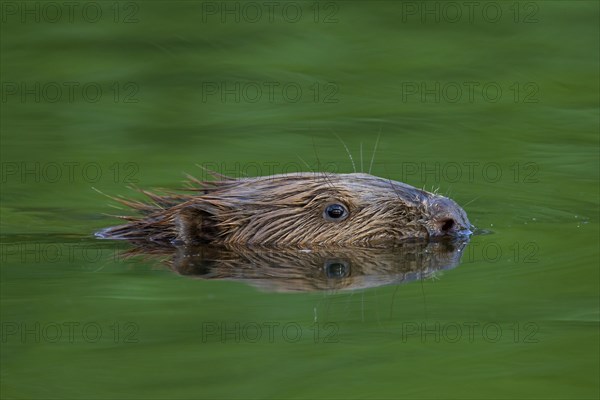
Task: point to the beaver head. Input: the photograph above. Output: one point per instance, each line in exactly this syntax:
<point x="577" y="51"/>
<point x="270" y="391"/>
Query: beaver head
<point x="301" y="209"/>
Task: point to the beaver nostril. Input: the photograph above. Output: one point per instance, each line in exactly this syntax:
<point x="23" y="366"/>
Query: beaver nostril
<point x="446" y="225"/>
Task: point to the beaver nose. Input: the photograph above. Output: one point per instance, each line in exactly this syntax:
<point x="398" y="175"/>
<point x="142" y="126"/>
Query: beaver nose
<point x="445" y="225"/>
<point x="450" y="226"/>
<point x="447" y="218"/>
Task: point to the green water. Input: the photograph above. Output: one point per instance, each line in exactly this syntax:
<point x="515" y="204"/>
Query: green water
<point x="500" y="111"/>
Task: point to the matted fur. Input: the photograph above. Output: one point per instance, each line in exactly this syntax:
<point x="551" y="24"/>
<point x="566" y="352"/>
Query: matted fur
<point x="287" y="210"/>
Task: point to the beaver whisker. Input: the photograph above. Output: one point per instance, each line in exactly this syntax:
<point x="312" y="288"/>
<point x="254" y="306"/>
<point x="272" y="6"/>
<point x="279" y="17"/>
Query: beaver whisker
<point x="361" y="158"/>
<point x="324" y="173"/>
<point x="347" y="152"/>
<point x="374" y="150"/>
<point x="305" y="163"/>
<point x="394" y="189"/>
<point x="476" y="198"/>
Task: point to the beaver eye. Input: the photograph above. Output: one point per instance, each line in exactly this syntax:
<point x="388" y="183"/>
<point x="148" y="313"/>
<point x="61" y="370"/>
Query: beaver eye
<point x="337" y="269"/>
<point x="335" y="212"/>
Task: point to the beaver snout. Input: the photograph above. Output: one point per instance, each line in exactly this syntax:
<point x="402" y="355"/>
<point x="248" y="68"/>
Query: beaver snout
<point x="447" y="218"/>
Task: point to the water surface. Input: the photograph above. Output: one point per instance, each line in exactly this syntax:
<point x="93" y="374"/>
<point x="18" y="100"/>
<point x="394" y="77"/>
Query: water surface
<point x="500" y="113"/>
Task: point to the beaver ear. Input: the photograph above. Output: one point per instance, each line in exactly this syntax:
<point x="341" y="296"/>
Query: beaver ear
<point x="194" y="226"/>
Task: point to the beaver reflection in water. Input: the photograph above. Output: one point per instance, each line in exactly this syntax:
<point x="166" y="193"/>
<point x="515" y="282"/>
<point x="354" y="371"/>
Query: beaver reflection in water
<point x="300" y="209"/>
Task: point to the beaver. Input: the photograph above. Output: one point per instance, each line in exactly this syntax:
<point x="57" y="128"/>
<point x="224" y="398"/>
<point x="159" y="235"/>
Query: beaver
<point x="298" y="209"/>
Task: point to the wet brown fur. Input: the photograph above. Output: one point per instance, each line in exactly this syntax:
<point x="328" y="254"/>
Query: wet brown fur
<point x="287" y="210"/>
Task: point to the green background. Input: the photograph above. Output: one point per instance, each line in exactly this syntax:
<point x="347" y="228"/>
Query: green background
<point x="166" y="72"/>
